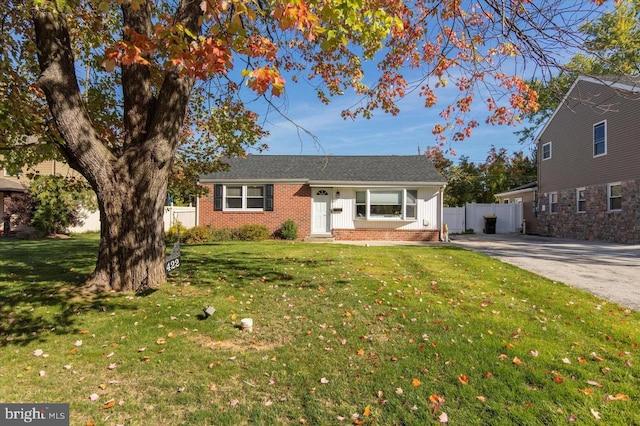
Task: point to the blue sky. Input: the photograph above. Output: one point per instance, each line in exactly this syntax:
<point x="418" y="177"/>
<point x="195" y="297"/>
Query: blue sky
<point x="383" y="134"/>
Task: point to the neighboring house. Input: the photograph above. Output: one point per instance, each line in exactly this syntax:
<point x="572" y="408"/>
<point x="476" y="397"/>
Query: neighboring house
<point x="11" y="184"/>
<point x="589" y="163"/>
<point x="527" y="196"/>
<point x="340" y="197"/>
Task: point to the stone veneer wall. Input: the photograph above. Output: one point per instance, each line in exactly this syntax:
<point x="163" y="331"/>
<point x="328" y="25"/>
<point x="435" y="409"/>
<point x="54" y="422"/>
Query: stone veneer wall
<point x="597" y="222"/>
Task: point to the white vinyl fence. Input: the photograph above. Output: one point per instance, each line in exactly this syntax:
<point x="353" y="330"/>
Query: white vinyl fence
<point x="172" y="214"/>
<point x="471" y="216"/>
<point x="185" y="215"/>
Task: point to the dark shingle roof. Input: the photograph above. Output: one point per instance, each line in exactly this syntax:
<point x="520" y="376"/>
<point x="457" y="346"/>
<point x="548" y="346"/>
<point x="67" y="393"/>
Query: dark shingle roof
<point x="329" y="169"/>
<point x="629" y="82"/>
<point x="7" y="185"/>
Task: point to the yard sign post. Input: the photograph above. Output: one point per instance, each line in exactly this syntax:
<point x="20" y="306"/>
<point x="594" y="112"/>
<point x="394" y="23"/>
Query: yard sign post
<point x="173" y="260"/>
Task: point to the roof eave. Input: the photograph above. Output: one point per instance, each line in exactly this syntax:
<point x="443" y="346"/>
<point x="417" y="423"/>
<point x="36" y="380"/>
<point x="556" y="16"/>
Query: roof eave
<point x="519" y="191"/>
<point x="343" y="183"/>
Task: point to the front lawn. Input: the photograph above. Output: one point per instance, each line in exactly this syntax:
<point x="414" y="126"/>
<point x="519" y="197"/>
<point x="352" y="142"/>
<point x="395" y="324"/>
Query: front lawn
<point x="342" y="335"/>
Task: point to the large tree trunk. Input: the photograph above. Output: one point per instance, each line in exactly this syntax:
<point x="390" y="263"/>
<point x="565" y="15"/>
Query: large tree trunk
<point x="132" y="249"/>
<point x="130" y="180"/>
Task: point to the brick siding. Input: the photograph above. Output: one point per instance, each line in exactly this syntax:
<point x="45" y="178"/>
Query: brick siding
<point x="596" y="223"/>
<point x="371" y="234"/>
<point x="293" y="201"/>
<point x="290" y="202"/>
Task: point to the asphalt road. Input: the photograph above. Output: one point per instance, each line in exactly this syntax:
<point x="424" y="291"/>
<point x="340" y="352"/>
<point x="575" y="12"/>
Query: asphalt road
<point x="610" y="271"/>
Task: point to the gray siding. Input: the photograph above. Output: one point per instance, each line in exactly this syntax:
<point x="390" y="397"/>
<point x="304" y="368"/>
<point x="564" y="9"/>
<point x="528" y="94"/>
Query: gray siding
<point x="572" y="164"/>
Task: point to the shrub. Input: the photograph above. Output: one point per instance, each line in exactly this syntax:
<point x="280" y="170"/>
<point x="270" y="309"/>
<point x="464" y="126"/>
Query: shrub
<point x="252" y="233"/>
<point x="197" y="235"/>
<point x="222" y="234"/>
<point x="289" y="230"/>
<point x="20" y="208"/>
<point x="58" y="201"/>
<point x="171" y="234"/>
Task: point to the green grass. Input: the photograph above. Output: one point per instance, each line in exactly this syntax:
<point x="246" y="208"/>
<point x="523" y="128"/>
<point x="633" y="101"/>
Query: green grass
<point x="393" y="335"/>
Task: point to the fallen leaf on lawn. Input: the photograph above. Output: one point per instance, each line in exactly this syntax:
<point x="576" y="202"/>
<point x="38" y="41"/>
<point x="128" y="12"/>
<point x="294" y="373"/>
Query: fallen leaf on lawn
<point x="234" y="402"/>
<point x="488" y="375"/>
<point x="593" y="383"/>
<point x="73" y="351"/>
<point x="443" y="418"/>
<point x="533" y="352"/>
<point x="78" y="343"/>
<point x="481" y="398"/>
<point x="94" y="397"/>
<point x="109" y="355"/>
<point x="558" y="379"/>
<point x="616" y="397"/>
<point x="503" y="356"/>
<point x="38" y="352"/>
<point x="566" y="360"/>
<point x="109" y="404"/>
<point x="464" y="379"/>
<point x="367" y="411"/>
<point x="84" y="331"/>
<point x="42" y="373"/>
<point x="399" y="391"/>
<point x="572" y="418"/>
<point x="586" y="391"/>
<point x="268" y="403"/>
<point x="436" y="402"/>
<point x="111" y="366"/>
<point x="582" y="360"/>
<point x="161" y="341"/>
<point x="416" y="382"/>
<point x="596" y="357"/>
<point x="213" y="387"/>
<point x="595" y="414"/>
<point x="102" y="386"/>
<point x="142" y="349"/>
<point x="90" y="423"/>
<point x="324" y="381"/>
<point x="360" y="352"/>
<point x="516" y="360"/>
<point x="171" y="335"/>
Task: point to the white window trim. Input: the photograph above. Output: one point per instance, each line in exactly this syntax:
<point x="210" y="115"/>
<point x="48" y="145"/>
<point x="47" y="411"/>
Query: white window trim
<point x="401" y="217"/>
<point x="578" y="200"/>
<point x="609" y="196"/>
<point x="244" y="199"/>
<point x="593" y="141"/>
<point x="550" y="151"/>
<point x="557" y="203"/>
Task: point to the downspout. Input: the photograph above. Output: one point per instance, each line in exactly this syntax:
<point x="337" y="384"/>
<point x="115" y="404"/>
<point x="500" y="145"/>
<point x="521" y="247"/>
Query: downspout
<point x="198" y="206"/>
<point x="441" y="215"/>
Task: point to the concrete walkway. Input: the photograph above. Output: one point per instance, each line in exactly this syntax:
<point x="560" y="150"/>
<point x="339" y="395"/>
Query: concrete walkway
<point x="611" y="271"/>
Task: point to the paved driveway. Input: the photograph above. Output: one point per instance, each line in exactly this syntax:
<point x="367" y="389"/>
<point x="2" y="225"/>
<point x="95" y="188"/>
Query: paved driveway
<point x="611" y="271"/>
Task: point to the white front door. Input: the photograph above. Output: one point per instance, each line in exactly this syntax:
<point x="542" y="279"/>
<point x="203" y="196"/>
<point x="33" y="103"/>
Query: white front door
<point x="321" y="217"/>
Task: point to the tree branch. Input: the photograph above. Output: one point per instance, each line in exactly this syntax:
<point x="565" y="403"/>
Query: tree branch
<point x="173" y="97"/>
<point x="59" y="83"/>
<point x="136" y="78"/>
